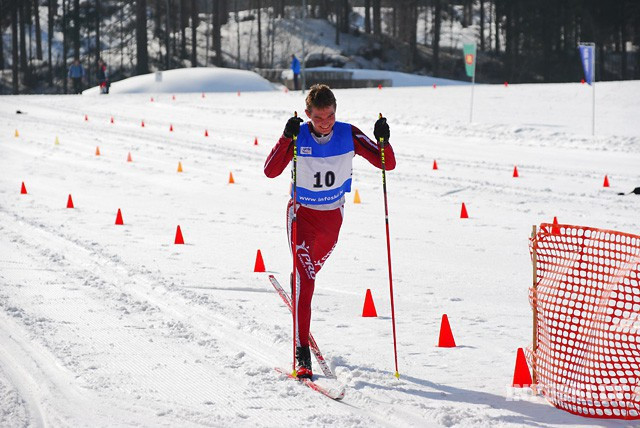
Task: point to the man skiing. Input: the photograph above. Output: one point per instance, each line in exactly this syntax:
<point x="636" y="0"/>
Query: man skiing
<point x="324" y="167"/>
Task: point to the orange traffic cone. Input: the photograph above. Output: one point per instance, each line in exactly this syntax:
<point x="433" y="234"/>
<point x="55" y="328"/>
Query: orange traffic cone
<point x="435" y="164"/>
<point x="521" y="375"/>
<point x="606" y="181"/>
<point x="255" y="141"/>
<point x="506" y="83"/>
<point x="97" y="151"/>
<point x="142" y="125"/>
<point x="206" y="133"/>
<point x="111" y="119"/>
<point x="179" y="166"/>
<point x="231" y="180"/>
<point x="119" y="218"/>
<point x="86" y="118"/>
<point x="356" y="198"/>
<point x="369" y="309"/>
<point x="555" y="229"/>
<point x="463" y="212"/>
<point x="173" y="97"/>
<point x="23" y="189"/>
<point x="515" y="172"/>
<point x="203" y="95"/>
<point x="238" y="93"/>
<point x="17" y="134"/>
<point x="179" y="239"/>
<point x="151" y="99"/>
<point x="446" y="337"/>
<point x="129" y="157"/>
<point x="69" y="202"/>
<point x="170" y="127"/>
<point x="379" y="86"/>
<point x="259" y="266"/>
<point x="434" y="86"/>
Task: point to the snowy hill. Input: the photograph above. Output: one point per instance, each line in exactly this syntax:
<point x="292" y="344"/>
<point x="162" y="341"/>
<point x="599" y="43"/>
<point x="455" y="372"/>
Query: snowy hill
<point x="105" y="325"/>
<point x="190" y="80"/>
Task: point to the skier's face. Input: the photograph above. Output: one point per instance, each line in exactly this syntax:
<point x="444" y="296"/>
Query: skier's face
<point x="322" y="119"/>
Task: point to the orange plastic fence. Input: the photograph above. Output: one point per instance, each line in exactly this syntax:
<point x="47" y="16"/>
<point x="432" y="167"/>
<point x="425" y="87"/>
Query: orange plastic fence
<point x="587" y="298"/>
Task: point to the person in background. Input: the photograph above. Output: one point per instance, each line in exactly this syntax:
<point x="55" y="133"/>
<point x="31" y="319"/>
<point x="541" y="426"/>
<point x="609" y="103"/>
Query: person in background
<point x="295" y="67"/>
<point x="76" y="73"/>
<point x="102" y="74"/>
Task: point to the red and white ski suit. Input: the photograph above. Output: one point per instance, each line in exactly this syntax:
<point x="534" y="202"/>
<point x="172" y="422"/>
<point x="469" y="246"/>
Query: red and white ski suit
<point x="317" y="228"/>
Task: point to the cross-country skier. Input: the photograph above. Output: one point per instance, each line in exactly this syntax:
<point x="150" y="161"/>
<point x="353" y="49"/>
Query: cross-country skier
<point x="324" y="168"/>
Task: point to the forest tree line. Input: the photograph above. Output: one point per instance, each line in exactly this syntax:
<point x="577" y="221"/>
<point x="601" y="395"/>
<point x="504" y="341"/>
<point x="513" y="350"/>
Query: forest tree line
<point x="518" y="40"/>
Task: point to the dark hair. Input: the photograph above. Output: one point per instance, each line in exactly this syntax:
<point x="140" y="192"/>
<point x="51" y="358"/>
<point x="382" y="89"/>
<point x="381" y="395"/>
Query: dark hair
<point x="320" y="96"/>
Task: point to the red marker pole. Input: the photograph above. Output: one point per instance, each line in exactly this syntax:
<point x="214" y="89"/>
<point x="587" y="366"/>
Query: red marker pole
<point x="386" y="221"/>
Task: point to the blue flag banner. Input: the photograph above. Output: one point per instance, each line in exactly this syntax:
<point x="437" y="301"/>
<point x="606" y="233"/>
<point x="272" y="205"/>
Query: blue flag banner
<point x="586" y="56"/>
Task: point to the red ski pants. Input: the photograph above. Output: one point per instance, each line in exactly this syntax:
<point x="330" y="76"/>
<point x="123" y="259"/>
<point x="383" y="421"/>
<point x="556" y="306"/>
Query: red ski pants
<point x="316" y="236"/>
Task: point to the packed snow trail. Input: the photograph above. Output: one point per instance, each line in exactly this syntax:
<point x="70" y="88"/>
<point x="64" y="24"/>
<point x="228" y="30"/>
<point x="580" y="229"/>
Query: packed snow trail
<point x="107" y="325"/>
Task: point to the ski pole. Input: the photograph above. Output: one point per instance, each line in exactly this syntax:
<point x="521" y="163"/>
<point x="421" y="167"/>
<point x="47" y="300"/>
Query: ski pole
<point x="386" y="220"/>
<point x="294" y="233"/>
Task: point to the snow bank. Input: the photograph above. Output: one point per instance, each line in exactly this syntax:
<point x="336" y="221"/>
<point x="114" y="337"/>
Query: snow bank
<point x="397" y="78"/>
<point x="199" y="79"/>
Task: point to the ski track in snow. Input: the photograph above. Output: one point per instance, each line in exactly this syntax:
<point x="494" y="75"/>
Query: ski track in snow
<point x="105" y="325"/>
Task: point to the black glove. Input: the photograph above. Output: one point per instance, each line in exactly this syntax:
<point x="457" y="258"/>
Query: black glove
<point x="381" y="130"/>
<point x="293" y="127"/>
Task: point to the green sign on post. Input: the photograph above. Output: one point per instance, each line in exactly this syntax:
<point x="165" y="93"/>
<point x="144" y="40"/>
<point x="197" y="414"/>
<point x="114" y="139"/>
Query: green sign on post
<point x="469" y="51"/>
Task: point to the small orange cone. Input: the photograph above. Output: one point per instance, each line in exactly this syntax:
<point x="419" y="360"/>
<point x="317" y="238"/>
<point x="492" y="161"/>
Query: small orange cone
<point x="255" y="141"/>
<point x="379" y="86"/>
<point x="555" y="229"/>
<point x="111" y="119"/>
<point x="151" y="99"/>
<point x="521" y="375"/>
<point x="179" y="239"/>
<point x="69" y="202"/>
<point x="97" y="151"/>
<point x="203" y="95"/>
<point x="17" y="134"/>
<point x="356" y="198"/>
<point x="206" y="133"/>
<point x="179" y="166"/>
<point x="515" y="172"/>
<point x="119" y="218"/>
<point x="23" y="189"/>
<point x="238" y="93"/>
<point x="434" y="86"/>
<point x="259" y="266"/>
<point x="142" y="125"/>
<point x="129" y="157"/>
<point x="86" y="118"/>
<point x="463" y="212"/>
<point x="173" y="97"/>
<point x="170" y="127"/>
<point x="435" y="165"/>
<point x="506" y="83"/>
<point x="231" y="180"/>
<point x="369" y="309"/>
<point x="606" y="181"/>
<point x="446" y="337"/>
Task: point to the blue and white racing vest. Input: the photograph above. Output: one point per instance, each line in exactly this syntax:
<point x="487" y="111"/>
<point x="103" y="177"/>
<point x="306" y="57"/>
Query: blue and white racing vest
<point x="324" y="170"/>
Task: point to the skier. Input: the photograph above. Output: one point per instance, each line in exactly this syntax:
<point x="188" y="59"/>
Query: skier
<point x="102" y="75"/>
<point x="324" y="168"/>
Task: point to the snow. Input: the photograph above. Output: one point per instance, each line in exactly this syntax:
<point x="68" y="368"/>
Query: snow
<point x="398" y="79"/>
<point x="105" y="325"/>
<point x="182" y="80"/>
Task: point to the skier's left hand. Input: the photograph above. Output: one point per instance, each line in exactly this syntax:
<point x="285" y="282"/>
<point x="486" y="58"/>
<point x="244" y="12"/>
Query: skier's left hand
<point x="381" y="129"/>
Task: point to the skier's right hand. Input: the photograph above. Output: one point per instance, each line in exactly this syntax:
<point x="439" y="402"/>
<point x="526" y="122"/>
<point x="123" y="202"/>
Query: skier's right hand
<point x="293" y="127"/>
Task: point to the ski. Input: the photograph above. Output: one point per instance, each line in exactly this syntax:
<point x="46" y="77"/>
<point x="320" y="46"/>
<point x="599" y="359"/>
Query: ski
<point x="312" y="343"/>
<point x="333" y="393"/>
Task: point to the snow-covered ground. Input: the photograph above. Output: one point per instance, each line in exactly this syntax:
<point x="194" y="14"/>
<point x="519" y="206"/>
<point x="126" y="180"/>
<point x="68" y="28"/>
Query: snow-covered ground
<point x="105" y="325"/>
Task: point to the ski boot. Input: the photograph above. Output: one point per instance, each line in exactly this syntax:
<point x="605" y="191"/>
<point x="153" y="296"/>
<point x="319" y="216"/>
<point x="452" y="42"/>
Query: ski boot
<point x="303" y="357"/>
